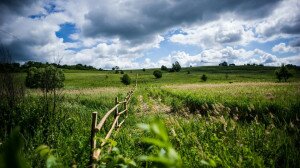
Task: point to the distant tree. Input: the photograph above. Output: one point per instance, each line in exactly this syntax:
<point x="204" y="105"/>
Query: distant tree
<point x="122" y="72"/>
<point x="157" y="74"/>
<point x="144" y="69"/>
<point x="188" y="72"/>
<point x="115" y="68"/>
<point x="126" y="79"/>
<point x="231" y="64"/>
<point x="283" y="73"/>
<point x="223" y="64"/>
<point x="164" y="68"/>
<point x="204" y="77"/>
<point x="176" y="67"/>
<point x="116" y="71"/>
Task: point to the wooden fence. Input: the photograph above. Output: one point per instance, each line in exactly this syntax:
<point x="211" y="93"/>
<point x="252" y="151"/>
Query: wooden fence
<point x="95" y="152"/>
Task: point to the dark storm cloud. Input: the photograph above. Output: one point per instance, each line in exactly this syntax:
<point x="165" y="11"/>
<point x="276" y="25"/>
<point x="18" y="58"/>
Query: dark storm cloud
<point x="13" y="7"/>
<point x="295" y="43"/>
<point x="144" y="18"/>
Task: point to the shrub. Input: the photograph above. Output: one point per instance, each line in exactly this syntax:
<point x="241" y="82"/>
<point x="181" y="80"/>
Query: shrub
<point x="144" y="69"/>
<point x="176" y="67"/>
<point x="122" y="72"/>
<point x="164" y="68"/>
<point x="126" y="79"/>
<point x="47" y="79"/>
<point x="204" y="77"/>
<point x="188" y="72"/>
<point x="157" y="74"/>
<point x="283" y="73"/>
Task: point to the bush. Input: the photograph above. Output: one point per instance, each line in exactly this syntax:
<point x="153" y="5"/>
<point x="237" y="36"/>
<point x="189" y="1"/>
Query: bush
<point x="188" y="72"/>
<point x="122" y="72"/>
<point x="144" y="69"/>
<point x="204" y="77"/>
<point x="164" y="68"/>
<point x="47" y="79"/>
<point x="126" y="79"/>
<point x="283" y="73"/>
<point x="157" y="74"/>
<point x="176" y="67"/>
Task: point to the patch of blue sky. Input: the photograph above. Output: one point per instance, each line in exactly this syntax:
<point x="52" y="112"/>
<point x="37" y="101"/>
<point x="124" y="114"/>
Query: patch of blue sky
<point x="174" y="31"/>
<point x="37" y="16"/>
<point x="65" y="31"/>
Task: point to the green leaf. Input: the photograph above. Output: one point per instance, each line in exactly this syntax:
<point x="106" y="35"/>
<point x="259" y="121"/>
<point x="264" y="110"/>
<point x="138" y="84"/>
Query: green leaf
<point x="51" y="161"/>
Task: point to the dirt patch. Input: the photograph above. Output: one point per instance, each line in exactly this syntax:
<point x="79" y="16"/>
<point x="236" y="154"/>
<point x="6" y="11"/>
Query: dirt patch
<point x="151" y="106"/>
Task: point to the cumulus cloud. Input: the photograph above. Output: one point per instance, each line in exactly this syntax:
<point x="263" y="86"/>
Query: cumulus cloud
<point x="216" y="33"/>
<point x="118" y="32"/>
<point x="283" y="48"/>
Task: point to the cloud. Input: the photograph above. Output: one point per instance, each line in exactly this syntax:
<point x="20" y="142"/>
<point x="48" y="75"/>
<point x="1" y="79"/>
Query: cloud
<point x="119" y="32"/>
<point x="283" y="21"/>
<point x="225" y="31"/>
<point x="136" y="19"/>
<point x="283" y="48"/>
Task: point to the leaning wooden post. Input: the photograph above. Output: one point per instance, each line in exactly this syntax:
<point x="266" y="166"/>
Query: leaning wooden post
<point x="136" y="80"/>
<point x="117" y="110"/>
<point x="93" y="141"/>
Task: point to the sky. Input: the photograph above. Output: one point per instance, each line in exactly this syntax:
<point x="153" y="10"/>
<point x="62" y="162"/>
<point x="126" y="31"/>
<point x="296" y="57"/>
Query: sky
<point x="145" y="34"/>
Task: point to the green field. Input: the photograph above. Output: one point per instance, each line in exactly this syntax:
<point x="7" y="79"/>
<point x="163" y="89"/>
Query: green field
<point x="240" y="117"/>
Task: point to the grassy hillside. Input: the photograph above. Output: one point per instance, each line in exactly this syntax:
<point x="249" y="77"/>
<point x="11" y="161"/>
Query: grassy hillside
<point x="90" y="79"/>
<point x="244" y="120"/>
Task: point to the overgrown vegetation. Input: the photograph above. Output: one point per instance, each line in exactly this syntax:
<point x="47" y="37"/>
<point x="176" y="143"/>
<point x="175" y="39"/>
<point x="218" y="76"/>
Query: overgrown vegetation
<point x="252" y="122"/>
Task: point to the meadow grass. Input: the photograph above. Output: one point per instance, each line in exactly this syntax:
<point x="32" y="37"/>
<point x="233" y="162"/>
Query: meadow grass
<point x="250" y="122"/>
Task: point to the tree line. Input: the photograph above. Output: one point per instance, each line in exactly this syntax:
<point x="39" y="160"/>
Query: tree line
<point x="17" y="67"/>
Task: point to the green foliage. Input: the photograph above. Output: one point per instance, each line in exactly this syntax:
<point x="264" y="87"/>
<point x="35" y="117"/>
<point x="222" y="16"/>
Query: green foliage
<point x="47" y="154"/>
<point x="163" y="68"/>
<point x="157" y="74"/>
<point x="144" y="69"/>
<point x="126" y="79"/>
<point x="176" y="67"/>
<point x="166" y="155"/>
<point x="10" y="153"/>
<point x="47" y="79"/>
<point x="283" y="73"/>
<point x="204" y="77"/>
<point x="114" y="158"/>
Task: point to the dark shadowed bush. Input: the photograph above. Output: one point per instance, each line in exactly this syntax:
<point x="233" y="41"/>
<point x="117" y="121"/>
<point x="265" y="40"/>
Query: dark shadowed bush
<point x="157" y="74"/>
<point x="283" y="73"/>
<point x="164" y="68"/>
<point x="204" y="77"/>
<point x="126" y="79"/>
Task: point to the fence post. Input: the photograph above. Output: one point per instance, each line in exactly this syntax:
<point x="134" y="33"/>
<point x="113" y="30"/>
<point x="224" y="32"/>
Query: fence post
<point x="117" y="110"/>
<point x="93" y="141"/>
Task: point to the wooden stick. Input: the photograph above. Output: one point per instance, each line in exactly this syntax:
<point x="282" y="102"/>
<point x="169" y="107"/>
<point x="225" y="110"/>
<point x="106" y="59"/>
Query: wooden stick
<point x="117" y="109"/>
<point x="93" y="141"/>
<point x="100" y="125"/>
